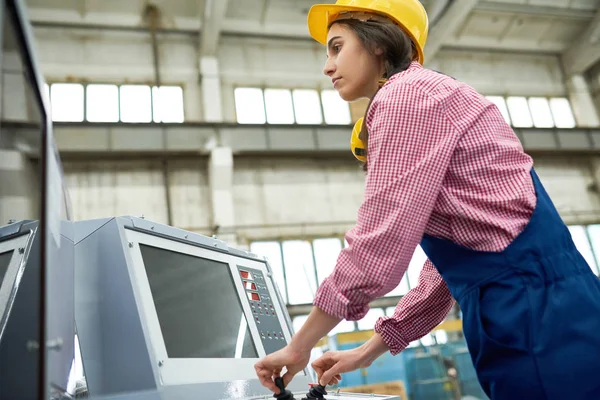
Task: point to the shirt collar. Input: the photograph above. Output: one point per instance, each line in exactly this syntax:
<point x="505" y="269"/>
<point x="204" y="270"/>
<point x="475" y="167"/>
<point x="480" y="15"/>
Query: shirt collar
<point x="413" y="66"/>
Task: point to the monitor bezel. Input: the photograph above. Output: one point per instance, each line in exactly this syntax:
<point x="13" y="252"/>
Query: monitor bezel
<point x="178" y="371"/>
<point x="9" y="286"/>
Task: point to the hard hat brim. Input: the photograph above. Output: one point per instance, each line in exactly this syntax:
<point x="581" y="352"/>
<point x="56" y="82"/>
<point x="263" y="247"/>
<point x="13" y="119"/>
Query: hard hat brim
<point x="320" y="16"/>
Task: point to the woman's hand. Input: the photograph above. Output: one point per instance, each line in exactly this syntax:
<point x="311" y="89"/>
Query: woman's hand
<point x="270" y="367"/>
<point x="296" y="355"/>
<point x="332" y="364"/>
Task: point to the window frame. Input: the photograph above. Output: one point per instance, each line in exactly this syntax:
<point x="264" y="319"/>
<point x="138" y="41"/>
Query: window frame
<point x="118" y="84"/>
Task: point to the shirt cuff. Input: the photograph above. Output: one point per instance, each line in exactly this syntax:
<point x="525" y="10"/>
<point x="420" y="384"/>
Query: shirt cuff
<point x="332" y="302"/>
<point x="390" y="333"/>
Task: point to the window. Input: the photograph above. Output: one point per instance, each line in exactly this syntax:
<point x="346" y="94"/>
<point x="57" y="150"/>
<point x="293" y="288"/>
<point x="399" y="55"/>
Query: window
<point x="114" y="103"/>
<point x="369" y="320"/>
<point x="326" y="252"/>
<point x="272" y="251"/>
<point x="336" y="110"/>
<point x="344" y="326"/>
<point x="300" y="271"/>
<point x="250" y="106"/>
<point x="278" y="103"/>
<point x="298" y="322"/>
<point x="441" y="336"/>
<point x="519" y="112"/>
<point x="307" y="107"/>
<point x="300" y="266"/>
<point x="67" y="102"/>
<point x="135" y="103"/>
<point x="167" y="104"/>
<point x="102" y="103"/>
<point x="563" y="115"/>
<point x="284" y="106"/>
<point x="415" y="266"/>
<point x="540" y="112"/>
<point x="427" y="340"/>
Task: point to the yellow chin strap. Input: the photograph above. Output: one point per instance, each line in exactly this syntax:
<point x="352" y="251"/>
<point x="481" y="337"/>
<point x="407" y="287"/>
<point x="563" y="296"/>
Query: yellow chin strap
<point x="356" y="144"/>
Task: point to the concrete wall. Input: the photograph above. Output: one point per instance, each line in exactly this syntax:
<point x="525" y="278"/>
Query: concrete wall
<point x="493" y="73"/>
<point x="279" y="197"/>
<point x="114" y="188"/>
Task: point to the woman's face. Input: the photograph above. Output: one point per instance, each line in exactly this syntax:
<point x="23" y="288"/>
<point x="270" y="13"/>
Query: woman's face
<point x="353" y="70"/>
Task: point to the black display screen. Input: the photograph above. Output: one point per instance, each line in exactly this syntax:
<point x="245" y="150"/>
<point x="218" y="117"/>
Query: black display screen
<point x="198" y="307"/>
<point x="4" y="262"/>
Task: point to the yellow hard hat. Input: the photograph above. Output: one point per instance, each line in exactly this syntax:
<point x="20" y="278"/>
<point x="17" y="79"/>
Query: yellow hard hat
<point x="410" y="15"/>
<point x="356" y="144"/>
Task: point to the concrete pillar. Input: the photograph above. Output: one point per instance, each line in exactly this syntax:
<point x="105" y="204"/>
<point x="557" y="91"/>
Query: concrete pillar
<point x="584" y="110"/>
<point x="211" y="89"/>
<point x="20" y="189"/>
<point x="192" y="102"/>
<point x="220" y="171"/>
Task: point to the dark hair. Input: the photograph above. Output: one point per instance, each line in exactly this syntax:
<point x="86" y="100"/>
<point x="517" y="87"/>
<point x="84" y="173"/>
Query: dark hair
<point x="398" y="52"/>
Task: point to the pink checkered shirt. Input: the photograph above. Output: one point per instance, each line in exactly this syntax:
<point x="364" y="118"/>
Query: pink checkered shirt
<point x="442" y="161"/>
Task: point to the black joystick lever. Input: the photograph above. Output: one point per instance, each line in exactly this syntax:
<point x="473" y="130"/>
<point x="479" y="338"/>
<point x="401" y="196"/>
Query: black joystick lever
<point x="284" y="393"/>
<point x="316" y="392"/>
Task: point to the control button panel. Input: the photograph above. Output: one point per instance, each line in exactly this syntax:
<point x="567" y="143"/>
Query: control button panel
<point x="263" y="309"/>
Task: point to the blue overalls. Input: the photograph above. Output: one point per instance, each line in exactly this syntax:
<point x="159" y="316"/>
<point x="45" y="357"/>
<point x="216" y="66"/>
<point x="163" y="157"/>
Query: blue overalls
<point x="531" y="313"/>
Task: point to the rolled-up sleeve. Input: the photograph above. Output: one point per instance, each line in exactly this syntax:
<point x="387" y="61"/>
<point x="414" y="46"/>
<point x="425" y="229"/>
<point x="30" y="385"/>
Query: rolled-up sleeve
<point x="418" y="312"/>
<point x="410" y="145"/>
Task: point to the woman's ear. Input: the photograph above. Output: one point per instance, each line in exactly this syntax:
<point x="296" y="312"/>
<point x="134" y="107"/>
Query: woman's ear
<point x="378" y="51"/>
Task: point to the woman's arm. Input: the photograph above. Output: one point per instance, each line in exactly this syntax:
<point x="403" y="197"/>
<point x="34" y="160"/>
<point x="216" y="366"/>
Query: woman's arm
<point x="411" y="143"/>
<point x="317" y="326"/>
<point x="423" y="308"/>
<point x="417" y="313"/>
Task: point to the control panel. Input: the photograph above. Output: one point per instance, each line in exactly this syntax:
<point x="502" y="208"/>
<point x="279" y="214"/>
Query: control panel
<point x="263" y="309"/>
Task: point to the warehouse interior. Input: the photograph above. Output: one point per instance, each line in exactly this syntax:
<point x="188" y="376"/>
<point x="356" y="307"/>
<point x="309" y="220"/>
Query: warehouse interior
<point x="214" y="117"/>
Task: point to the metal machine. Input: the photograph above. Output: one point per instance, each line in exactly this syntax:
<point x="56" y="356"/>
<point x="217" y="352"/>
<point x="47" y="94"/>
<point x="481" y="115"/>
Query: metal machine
<point x="163" y="313"/>
<point x="19" y="300"/>
<point x="20" y="270"/>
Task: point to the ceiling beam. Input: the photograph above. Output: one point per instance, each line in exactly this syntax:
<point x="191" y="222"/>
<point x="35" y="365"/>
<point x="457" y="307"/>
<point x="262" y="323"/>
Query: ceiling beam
<point x="512" y="45"/>
<point x="104" y="21"/>
<point x="212" y="24"/>
<point x="533" y="10"/>
<point x="57" y="17"/>
<point x="455" y="15"/>
<point x="233" y="27"/>
<point x="585" y="51"/>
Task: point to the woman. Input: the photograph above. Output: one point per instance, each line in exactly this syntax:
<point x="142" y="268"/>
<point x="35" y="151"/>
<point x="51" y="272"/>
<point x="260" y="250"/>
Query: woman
<point x="444" y="170"/>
